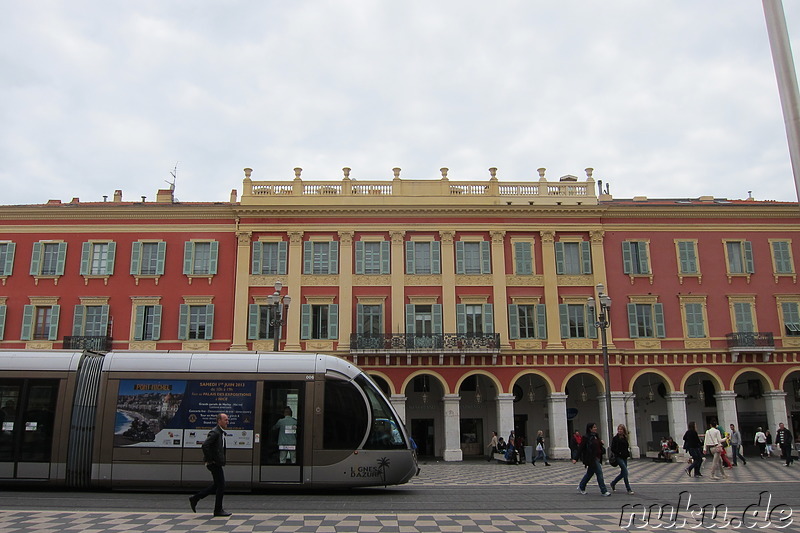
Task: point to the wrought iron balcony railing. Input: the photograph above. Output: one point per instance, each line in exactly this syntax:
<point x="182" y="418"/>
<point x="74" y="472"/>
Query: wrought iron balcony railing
<point x="750" y="339"/>
<point x="441" y="342"/>
<point x="91" y="343"/>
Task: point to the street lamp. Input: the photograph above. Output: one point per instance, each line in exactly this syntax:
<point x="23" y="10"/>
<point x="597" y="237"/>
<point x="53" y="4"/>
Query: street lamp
<point x="279" y="306"/>
<point x="601" y="321"/>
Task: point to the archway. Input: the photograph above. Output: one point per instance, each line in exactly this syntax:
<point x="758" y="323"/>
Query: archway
<point x="424" y="412"/>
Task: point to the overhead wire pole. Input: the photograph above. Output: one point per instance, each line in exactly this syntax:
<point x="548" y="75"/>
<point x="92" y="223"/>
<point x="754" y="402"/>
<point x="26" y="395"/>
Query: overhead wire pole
<point x="787" y="81"/>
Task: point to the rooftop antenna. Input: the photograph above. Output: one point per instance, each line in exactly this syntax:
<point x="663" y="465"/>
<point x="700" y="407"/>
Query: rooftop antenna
<point x="174" y="174"/>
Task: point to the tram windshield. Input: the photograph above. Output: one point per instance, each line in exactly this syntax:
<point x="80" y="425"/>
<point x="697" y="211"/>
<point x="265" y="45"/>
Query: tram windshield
<point x="385" y="432"/>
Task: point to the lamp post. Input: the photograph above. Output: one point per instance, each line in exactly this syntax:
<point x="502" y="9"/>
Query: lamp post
<point x="601" y="321"/>
<point x="279" y="306"/>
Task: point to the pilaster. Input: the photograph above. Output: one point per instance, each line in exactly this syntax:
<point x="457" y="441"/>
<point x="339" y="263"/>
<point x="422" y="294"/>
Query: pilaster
<point x="293" y="282"/>
<point x="551" y="288"/>
<point x="505" y="413"/>
<point x="776" y="410"/>
<point x="726" y="408"/>
<point x="345" y="288"/>
<point x="452" y="427"/>
<point x="557" y="416"/>
<point x="241" y="290"/>
<point x="499" y="288"/>
<point x="676" y="412"/>
<point x="448" y="282"/>
<point x="398" y="319"/>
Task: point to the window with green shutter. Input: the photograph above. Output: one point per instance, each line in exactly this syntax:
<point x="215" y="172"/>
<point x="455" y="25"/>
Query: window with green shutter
<point x="523" y="258"/>
<point x="783" y="258"/>
<point x="743" y="317"/>
<point x="695" y="322"/>
<point x="2" y="321"/>
<point x="373" y="257"/>
<point x="687" y="257"/>
<point x="574" y="322"/>
<point x="646" y="320"/>
<point x="196" y="322"/>
<point x="270" y="257"/>
<point x="635" y="258"/>
<point x="527" y="321"/>
<point x="791" y="318"/>
<point x="319" y="321"/>
<point x="7" y="258"/>
<point x="200" y="258"/>
<point x="423" y="257"/>
<point x="320" y="257"/>
<point x="740" y="257"/>
<point x="148" y="258"/>
<point x="147" y="324"/>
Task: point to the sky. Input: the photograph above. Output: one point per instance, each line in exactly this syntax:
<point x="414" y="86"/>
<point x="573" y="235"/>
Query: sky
<point x="664" y="99"/>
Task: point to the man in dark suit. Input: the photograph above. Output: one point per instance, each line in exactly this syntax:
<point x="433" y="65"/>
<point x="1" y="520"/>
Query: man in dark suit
<point x="783" y="438"/>
<point x="214" y="457"/>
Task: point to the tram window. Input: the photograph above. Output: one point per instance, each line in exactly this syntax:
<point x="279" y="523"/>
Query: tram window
<point x="385" y="432"/>
<point x="282" y="424"/>
<point x="26" y="419"/>
<point x="345" y="422"/>
<point x="9" y="400"/>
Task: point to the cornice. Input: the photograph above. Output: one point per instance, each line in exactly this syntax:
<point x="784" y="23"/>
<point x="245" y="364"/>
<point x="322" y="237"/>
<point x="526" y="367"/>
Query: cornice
<point x="739" y="210"/>
<point x="116" y="212"/>
<point x="422" y="211"/>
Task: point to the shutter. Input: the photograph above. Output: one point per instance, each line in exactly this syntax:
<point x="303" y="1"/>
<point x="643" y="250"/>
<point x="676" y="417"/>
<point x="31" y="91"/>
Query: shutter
<point x="437" y="319"/>
<point x="513" y="321"/>
<point x="688" y="259"/>
<point x="36" y="259"/>
<point x="644" y="264"/>
<point x="488" y="317"/>
<point x="252" y="321"/>
<point x="2" y="321"/>
<point x="333" y="321"/>
<point x="209" y="321"/>
<point x="359" y="319"/>
<point x="255" y="263"/>
<point x="86" y="252"/>
<point x="658" y="312"/>
<point x="436" y="257"/>
<point x="305" y="321"/>
<point x="214" y="259"/>
<point x="27" y="323"/>
<point x="586" y="256"/>
<point x="62" y="258"/>
<point x="359" y="257"/>
<point x="55" y="312"/>
<point x="627" y="262"/>
<point x="138" y="324"/>
<point x="783" y="259"/>
<point x="283" y="257"/>
<point x="136" y="258"/>
<point x="523" y="258"/>
<point x="633" y="325"/>
<point x="486" y="257"/>
<point x="386" y="257"/>
<point x="188" y="252"/>
<point x="694" y="321"/>
<point x="461" y="318"/>
<point x="744" y="319"/>
<point x="308" y="257"/>
<point x="156" y="322"/>
<point x="183" y="322"/>
<point x="162" y="256"/>
<point x="77" y="320"/>
<point x="460" y="257"/>
<point x="563" y="314"/>
<point x="112" y="254"/>
<point x="410" y="322"/>
<point x="410" y="257"/>
<point x="104" y="320"/>
<point x="8" y="268"/>
<point x="559" y="247"/>
<point x="749" y="265"/>
<point x="591" y="327"/>
<point x="333" y="258"/>
<point x="541" y="321"/>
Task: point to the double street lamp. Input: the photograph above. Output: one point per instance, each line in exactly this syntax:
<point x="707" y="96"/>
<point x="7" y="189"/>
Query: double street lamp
<point x="280" y="304"/>
<point x="600" y="315"/>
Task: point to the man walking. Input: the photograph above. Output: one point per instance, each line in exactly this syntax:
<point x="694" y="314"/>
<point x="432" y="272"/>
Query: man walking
<point x="736" y="445"/>
<point x="214" y="457"/>
<point x="783" y="438"/>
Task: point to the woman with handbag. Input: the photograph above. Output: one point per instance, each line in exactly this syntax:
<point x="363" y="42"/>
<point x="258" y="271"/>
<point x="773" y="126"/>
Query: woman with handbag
<point x="621" y="449"/>
<point x="540" y="453"/>
<point x="713" y="443"/>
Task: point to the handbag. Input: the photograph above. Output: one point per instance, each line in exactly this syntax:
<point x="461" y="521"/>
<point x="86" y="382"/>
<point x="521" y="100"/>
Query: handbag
<point x="612" y="458"/>
<point x="539" y="447"/>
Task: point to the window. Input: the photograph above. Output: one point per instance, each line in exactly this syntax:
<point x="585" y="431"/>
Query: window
<point x="523" y="258"/>
<point x="369" y="319"/>
<point x="147" y="325"/>
<point x="634" y="258"/>
<point x="527" y="321"/>
<point x="40" y="322"/>
<point x="740" y="257"/>
<point x="573" y="258"/>
<point x="345" y="416"/>
<point x="646" y="320"/>
<point x="6" y="258"/>
<point x="97" y="258"/>
<point x="424" y="325"/>
<point x="260" y="322"/>
<point x="2" y="321"/>
<point x="373" y="257"/>
<point x="147" y="258"/>
<point x="196" y="322"/>
<point x="319" y="321"/>
<point x="200" y="258"/>
<point x="574" y="323"/>
<point x="423" y="257"/>
<point x="48" y="258"/>
<point x="791" y="318"/>
<point x="695" y="320"/>
<point x="687" y="257"/>
<point x="474" y="319"/>
<point x="90" y="321"/>
<point x="743" y="317"/>
<point x="782" y="257"/>
<point x="320" y="257"/>
<point x="473" y="257"/>
<point x="270" y="257"/>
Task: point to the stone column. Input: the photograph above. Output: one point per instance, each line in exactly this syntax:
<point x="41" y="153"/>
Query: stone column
<point x="551" y="289"/>
<point x="776" y="411"/>
<point x="676" y="412"/>
<point x="399" y="404"/>
<point x="452" y="427"/>
<point x="294" y="282"/>
<point x="499" y="287"/>
<point x="345" y="289"/>
<point x="241" y="290"/>
<point x="602" y="423"/>
<point x="398" y="318"/>
<point x="726" y="408"/>
<point x="629" y="409"/>
<point x="505" y="414"/>
<point x="448" y="264"/>
<point x="557" y="415"/>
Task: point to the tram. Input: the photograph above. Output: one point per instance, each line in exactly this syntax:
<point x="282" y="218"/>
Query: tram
<point x="136" y="420"/>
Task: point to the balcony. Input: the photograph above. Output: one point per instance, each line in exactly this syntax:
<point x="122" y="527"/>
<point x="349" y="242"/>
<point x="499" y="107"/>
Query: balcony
<point x="436" y="343"/>
<point x="92" y="344"/>
<point x="750" y="342"/>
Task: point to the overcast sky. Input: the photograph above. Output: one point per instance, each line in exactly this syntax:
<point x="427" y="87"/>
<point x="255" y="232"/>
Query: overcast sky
<point x="662" y="98"/>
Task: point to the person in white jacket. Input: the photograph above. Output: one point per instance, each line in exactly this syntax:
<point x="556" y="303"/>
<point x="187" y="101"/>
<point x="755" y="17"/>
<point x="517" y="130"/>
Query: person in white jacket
<point x="713" y="443"/>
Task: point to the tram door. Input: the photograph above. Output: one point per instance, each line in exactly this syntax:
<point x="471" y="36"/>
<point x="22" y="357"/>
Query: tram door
<point x="282" y="432"/>
<point x="27" y="412"/>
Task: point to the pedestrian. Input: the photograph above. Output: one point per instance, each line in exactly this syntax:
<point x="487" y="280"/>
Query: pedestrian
<point x="768" y="447"/>
<point x="783" y="438"/>
<point x="287" y="437"/>
<point x="736" y="446"/>
<point x="574" y="444"/>
<point x="540" y="451"/>
<point x="492" y="446"/>
<point x="519" y="445"/>
<point x="713" y="444"/>
<point x="591" y="453"/>
<point x="693" y="445"/>
<point x="622" y="450"/>
<point x="214" y="457"/>
<point x="760" y="441"/>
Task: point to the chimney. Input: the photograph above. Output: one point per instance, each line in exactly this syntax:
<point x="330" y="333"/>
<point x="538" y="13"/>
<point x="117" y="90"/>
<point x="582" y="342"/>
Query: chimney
<point x="118" y="195"/>
<point x="165" y="196"/>
<point x="234" y="196"/>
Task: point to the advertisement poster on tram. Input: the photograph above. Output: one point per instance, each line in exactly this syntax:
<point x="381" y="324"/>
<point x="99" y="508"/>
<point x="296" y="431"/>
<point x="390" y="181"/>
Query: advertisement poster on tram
<point x="180" y="413"/>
